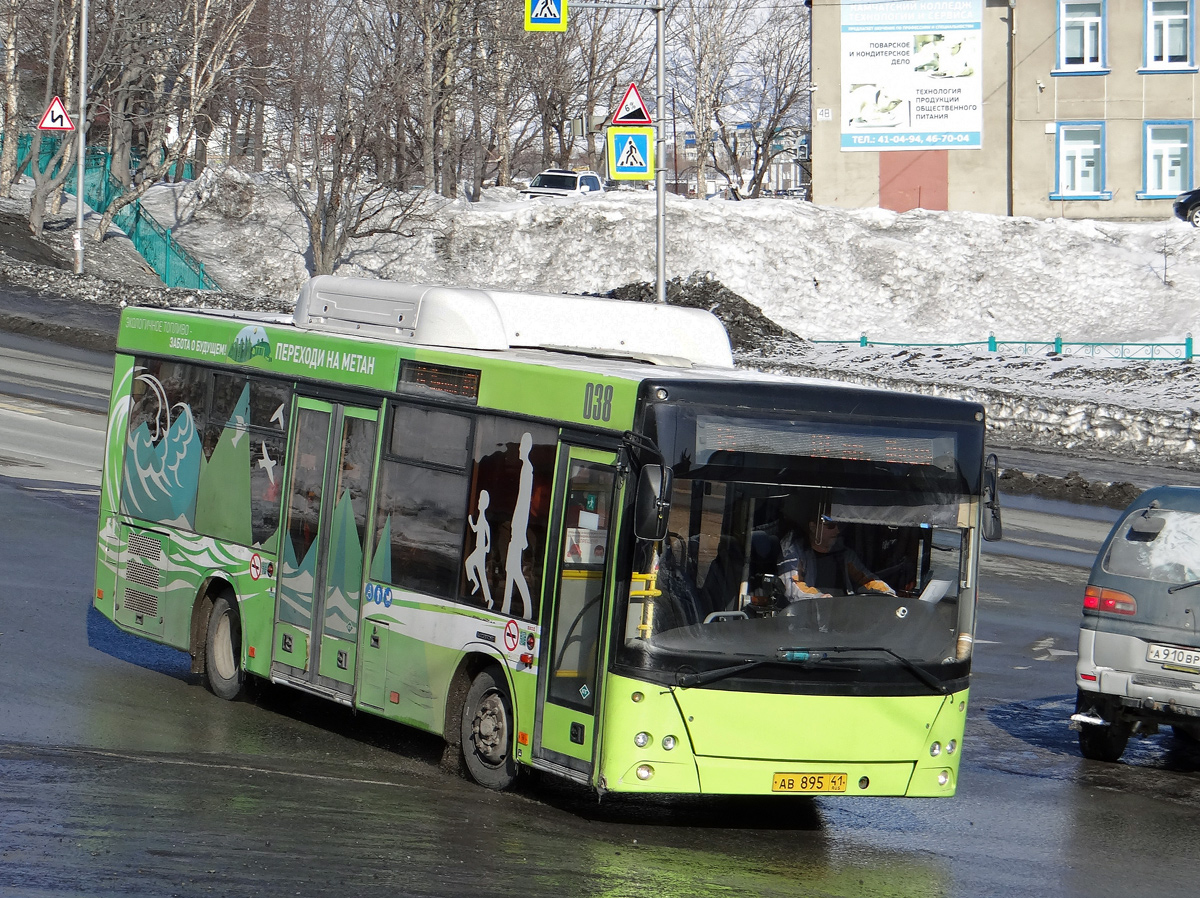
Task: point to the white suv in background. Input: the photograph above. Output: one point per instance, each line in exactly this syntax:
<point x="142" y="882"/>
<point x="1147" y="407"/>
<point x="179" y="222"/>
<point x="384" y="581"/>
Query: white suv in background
<point x="561" y="182"/>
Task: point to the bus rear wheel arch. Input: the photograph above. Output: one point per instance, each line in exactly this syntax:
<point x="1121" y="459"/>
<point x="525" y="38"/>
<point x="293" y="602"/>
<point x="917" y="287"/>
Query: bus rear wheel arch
<point x="487" y="730"/>
<point x="223" y="649"/>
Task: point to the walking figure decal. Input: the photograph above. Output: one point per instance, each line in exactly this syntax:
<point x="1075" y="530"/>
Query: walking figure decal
<point x="518" y="541"/>
<point x="476" y="564"/>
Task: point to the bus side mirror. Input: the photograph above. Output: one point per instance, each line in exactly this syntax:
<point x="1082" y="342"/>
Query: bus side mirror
<point x="992" y="529"/>
<point x="652" y="502"/>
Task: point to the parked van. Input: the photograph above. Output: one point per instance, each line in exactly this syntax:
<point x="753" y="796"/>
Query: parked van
<point x="1139" y="643"/>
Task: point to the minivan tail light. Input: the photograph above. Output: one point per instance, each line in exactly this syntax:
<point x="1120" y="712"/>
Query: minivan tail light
<point x="1097" y="598"/>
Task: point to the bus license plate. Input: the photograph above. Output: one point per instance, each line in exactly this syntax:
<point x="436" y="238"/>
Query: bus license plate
<point x="1169" y="654"/>
<point x="808" y="782"/>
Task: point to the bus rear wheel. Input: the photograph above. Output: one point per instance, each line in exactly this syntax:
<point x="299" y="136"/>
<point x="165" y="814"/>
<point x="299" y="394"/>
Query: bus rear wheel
<point x="487" y="732"/>
<point x="223" y="650"/>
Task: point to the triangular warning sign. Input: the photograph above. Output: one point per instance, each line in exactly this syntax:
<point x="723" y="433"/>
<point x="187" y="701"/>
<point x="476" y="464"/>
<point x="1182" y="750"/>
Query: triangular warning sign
<point x="55" y="118"/>
<point x="630" y="157"/>
<point x="632" y="110"/>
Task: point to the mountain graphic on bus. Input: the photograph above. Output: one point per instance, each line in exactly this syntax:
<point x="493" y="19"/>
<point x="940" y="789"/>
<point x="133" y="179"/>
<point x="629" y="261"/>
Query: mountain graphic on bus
<point x="252" y="341"/>
<point x="345" y="565"/>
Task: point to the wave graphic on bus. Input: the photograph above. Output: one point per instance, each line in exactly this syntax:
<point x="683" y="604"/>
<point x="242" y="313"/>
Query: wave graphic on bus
<point x="162" y="465"/>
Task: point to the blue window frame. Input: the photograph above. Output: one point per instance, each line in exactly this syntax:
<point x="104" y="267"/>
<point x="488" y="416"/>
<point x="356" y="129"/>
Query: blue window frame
<point x="1166" y="159"/>
<point x="1170" y="29"/>
<point x="1082" y="37"/>
<point x="1079" y="162"/>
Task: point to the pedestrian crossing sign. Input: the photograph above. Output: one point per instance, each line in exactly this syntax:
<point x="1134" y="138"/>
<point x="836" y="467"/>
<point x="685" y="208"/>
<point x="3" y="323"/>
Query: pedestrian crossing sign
<point x="545" y="15"/>
<point x="631" y="154"/>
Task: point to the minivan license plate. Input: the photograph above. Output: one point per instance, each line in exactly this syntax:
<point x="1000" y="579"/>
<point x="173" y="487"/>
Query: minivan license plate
<point x="808" y="782"/>
<point x="1169" y="654"/>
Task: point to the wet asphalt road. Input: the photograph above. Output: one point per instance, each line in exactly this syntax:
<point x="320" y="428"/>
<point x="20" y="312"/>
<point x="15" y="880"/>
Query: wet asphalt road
<point x="120" y="775"/>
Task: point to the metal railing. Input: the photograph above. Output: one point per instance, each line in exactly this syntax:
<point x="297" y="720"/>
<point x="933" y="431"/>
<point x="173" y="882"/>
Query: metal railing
<point x="1177" y="352"/>
<point x="170" y="261"/>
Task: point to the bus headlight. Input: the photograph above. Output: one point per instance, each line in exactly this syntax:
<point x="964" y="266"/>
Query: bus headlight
<point x="951" y="747"/>
<point x="943" y="777"/>
<point x="935" y="749"/>
<point x="641" y="740"/>
<point x="668" y="742"/>
<point x="645" y="771"/>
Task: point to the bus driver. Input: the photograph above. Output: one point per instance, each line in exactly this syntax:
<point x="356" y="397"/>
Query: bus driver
<point x="813" y="559"/>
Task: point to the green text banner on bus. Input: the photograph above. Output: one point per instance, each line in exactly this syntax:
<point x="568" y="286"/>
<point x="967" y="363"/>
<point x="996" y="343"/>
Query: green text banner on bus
<point x="581" y="396"/>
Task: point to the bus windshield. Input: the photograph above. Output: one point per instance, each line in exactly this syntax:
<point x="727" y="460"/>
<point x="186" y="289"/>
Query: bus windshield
<point x="791" y="541"/>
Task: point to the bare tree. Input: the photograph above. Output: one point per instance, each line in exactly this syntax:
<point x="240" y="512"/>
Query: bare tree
<point x="777" y="87"/>
<point x="29" y="40"/>
<point x="185" y="59"/>
<point x="60" y="80"/>
<point x="337" y="188"/>
<point x="709" y="35"/>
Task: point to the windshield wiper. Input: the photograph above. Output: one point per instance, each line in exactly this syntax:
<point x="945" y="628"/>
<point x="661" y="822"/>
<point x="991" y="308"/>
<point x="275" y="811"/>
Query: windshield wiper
<point x="802" y="654"/>
<point x="1178" y="586"/>
<point x="803" y="657"/>
<point x="686" y="680"/>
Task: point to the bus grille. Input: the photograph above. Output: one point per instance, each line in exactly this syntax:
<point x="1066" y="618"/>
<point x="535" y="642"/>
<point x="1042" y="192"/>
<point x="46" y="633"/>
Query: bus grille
<point x="150" y="549"/>
<point x="141" y="603"/>
<point x="142" y="574"/>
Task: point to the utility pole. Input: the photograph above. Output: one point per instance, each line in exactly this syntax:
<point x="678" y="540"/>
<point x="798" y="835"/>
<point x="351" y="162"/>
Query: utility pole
<point x="81" y="136"/>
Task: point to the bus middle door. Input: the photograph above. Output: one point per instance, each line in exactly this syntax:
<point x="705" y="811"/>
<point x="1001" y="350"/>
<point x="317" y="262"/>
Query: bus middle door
<point x="571" y="672"/>
<point x="321" y="564"/>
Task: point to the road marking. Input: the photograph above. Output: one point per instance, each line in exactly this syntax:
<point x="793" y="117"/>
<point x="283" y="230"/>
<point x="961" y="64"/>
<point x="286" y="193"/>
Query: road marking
<point x="22" y="409"/>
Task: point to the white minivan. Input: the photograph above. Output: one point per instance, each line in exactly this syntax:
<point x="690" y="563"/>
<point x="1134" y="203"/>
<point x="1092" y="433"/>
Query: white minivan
<point x="1139" y="642"/>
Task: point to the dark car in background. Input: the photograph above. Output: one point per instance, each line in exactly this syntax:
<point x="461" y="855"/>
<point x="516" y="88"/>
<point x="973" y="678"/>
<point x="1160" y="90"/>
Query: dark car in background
<point x="1139" y="642"/>
<point x="1187" y="207"/>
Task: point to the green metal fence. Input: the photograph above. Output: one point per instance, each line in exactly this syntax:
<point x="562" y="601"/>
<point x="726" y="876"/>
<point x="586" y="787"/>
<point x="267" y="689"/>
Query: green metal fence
<point x="1057" y="346"/>
<point x="171" y="262"/>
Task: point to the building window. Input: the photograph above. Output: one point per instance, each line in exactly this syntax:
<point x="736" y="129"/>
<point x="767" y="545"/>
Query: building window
<point x="1081" y="36"/>
<point x="1168" y="159"/>
<point x="1080" y="162"/>
<point x="1168" y="34"/>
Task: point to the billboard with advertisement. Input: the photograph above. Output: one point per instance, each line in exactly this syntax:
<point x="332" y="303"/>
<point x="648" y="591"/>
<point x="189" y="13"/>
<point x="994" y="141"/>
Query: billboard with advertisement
<point x="911" y="76"/>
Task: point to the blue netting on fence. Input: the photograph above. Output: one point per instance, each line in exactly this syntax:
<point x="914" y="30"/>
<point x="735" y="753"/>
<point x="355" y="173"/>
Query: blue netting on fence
<point x="171" y="262"/>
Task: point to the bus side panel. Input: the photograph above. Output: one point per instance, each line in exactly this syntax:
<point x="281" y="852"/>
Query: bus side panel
<point x="412" y="649"/>
<point x="107" y="545"/>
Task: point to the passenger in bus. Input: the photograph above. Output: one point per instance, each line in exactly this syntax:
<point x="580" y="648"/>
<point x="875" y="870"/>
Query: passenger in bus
<point x="813" y="559"/>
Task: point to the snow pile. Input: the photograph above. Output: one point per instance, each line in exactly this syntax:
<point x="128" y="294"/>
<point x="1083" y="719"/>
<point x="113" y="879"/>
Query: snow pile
<point x="767" y="267"/>
<point x="822" y="273"/>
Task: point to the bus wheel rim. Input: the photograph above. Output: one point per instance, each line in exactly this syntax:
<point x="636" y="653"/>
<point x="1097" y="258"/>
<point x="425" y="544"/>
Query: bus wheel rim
<point x="223" y="649"/>
<point x="490" y="730"/>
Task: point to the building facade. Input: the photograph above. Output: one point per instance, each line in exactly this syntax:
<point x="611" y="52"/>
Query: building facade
<point x="1044" y="108"/>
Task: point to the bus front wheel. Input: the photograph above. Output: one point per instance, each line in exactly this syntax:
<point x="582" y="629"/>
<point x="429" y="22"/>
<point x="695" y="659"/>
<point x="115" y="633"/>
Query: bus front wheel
<point x="487" y="731"/>
<point x="223" y="650"/>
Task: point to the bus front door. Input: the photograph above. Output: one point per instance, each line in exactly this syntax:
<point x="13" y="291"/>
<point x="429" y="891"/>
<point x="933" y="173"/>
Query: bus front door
<point x="319" y="591"/>
<point x="571" y="670"/>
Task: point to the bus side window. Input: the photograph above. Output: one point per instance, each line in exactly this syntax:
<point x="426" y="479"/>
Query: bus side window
<point x="420" y="512"/>
<point x="511" y="480"/>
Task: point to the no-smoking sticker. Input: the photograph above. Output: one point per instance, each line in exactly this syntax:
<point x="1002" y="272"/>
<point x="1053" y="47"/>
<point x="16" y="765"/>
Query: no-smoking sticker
<point x="255" y="567"/>
<point x="510" y="636"/>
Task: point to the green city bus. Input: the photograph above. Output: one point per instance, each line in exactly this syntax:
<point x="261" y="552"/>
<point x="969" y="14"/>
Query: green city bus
<point x="550" y="530"/>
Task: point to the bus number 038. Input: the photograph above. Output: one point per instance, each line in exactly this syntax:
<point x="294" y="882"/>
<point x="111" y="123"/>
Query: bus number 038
<point x="597" y="402"/>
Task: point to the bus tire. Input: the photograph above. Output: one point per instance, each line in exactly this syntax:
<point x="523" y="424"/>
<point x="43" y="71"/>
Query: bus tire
<point x="223" y="650"/>
<point x="487" y="732"/>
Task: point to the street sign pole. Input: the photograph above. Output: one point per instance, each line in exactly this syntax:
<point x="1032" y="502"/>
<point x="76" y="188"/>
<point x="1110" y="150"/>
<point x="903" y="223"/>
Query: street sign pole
<point x="81" y="136"/>
<point x="660" y="170"/>
<point x="660" y="139"/>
